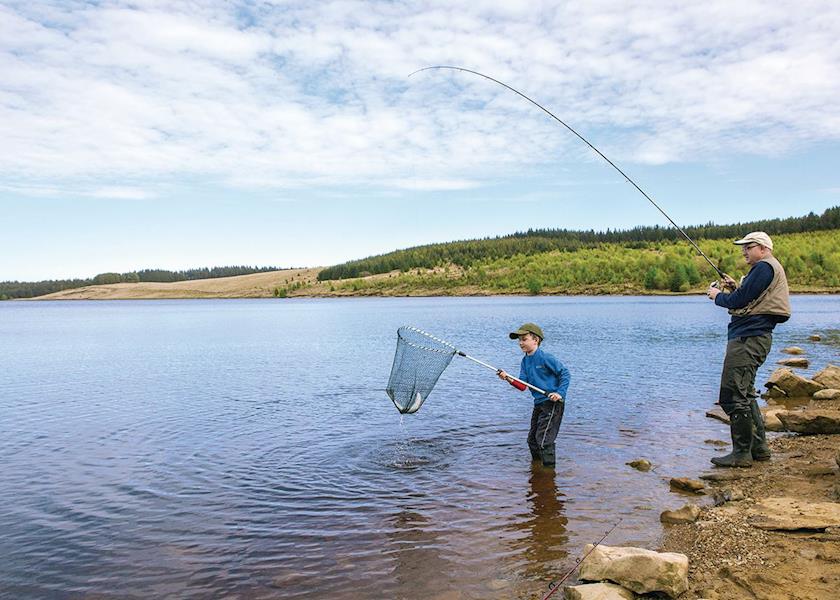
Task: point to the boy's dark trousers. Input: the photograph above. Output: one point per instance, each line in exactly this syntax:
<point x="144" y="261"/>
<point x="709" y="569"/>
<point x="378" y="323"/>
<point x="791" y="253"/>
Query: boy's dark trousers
<point x="545" y="423"/>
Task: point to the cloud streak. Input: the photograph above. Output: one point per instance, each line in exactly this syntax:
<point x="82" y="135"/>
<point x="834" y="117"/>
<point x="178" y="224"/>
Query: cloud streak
<point x="294" y="95"/>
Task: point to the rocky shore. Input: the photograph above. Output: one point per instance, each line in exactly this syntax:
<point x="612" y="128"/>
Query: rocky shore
<point x="770" y="532"/>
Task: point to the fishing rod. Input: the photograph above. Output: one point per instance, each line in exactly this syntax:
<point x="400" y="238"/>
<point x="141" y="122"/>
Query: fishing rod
<point x="555" y="585"/>
<point x="588" y="143"/>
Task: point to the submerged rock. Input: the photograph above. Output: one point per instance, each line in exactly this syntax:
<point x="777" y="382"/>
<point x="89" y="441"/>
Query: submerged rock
<point x="717" y="413"/>
<point x="637" y="569"/>
<point x="811" y="422"/>
<point x="686" y="514"/>
<point x="640" y="464"/>
<point x="794" y="362"/>
<point x="598" y="591"/>
<point x="793" y="350"/>
<point x="829" y="377"/>
<point x="815" y="337"/>
<point x="784" y="382"/>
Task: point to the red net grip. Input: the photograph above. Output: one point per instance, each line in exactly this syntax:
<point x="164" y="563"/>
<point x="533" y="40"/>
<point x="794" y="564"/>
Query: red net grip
<point x="517" y="384"/>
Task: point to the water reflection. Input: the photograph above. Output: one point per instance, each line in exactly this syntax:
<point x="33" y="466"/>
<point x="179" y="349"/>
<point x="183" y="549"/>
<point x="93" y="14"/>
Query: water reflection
<point x="542" y="536"/>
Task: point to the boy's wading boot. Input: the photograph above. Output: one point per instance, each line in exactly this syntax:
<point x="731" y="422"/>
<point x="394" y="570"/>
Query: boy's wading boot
<point x="741" y="426"/>
<point x="760" y="449"/>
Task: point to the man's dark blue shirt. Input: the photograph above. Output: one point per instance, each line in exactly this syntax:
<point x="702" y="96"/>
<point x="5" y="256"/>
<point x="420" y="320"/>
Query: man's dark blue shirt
<point x="756" y="281"/>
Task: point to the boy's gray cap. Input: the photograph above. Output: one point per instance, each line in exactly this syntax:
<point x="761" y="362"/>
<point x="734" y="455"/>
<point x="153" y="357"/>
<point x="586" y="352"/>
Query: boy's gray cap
<point x="527" y="328"/>
<point x="756" y="237"/>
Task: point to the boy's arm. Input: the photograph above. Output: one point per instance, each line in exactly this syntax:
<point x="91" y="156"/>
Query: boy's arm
<point x="563" y="377"/>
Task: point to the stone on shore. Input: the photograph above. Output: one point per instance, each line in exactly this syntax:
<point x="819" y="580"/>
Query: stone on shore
<point x="686" y="514"/>
<point x="794" y="362"/>
<point x="790" y="514"/>
<point x="793" y="350"/>
<point x="829" y="377"/>
<point x="717" y="413"/>
<point x="637" y="569"/>
<point x="771" y="418"/>
<point x="640" y="464"/>
<point x="811" y="422"/>
<point x="785" y="383"/>
<point x="687" y="485"/>
<point x="827" y="394"/>
<point x="598" y="591"/>
<point x="729" y="475"/>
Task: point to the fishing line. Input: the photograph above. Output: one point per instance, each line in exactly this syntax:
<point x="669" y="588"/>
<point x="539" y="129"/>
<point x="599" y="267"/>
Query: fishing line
<point x="588" y="143"/>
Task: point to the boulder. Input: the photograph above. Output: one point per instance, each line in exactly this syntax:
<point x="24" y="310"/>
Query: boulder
<point x="686" y="514"/>
<point x="811" y="422"/>
<point x="687" y="485"/>
<point x="771" y="418"/>
<point x="640" y="464"/>
<point x="637" y="569"/>
<point x="794" y="362"/>
<point x="829" y="377"/>
<point x="793" y="350"/>
<point x="827" y="394"/>
<point x="790" y="514"/>
<point x="785" y="383"/>
<point x="598" y="591"/>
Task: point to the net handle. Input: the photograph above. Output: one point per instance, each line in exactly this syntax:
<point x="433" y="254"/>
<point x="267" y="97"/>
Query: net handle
<point x="492" y="368"/>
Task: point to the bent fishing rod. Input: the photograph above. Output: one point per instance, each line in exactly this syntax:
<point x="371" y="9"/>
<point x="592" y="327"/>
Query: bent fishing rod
<point x="588" y="143"/>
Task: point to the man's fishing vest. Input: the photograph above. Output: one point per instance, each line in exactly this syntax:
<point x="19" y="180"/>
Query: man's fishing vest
<point x="775" y="300"/>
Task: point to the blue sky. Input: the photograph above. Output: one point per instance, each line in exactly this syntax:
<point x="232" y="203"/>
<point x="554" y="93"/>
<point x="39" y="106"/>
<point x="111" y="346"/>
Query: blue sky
<point x="183" y="134"/>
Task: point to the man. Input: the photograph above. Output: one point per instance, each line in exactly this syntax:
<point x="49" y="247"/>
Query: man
<point x="757" y="305"/>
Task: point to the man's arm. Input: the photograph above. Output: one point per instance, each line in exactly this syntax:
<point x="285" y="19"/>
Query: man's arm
<point x="759" y="278"/>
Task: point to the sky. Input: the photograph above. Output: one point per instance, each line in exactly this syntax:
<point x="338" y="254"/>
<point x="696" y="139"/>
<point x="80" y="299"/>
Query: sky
<point x="170" y="134"/>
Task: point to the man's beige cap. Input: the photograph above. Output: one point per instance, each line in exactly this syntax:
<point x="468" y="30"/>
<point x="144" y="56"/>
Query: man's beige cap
<point x="756" y="237"/>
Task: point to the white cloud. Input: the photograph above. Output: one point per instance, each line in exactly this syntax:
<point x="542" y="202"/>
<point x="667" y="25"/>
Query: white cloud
<point x="296" y="94"/>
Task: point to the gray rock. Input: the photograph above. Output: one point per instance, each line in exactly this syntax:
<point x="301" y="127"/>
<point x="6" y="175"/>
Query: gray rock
<point x="827" y="394"/>
<point x="637" y="569"/>
<point x="793" y="350"/>
<point x="829" y="377"/>
<point x="687" y="485"/>
<point x="686" y="514"/>
<point x="811" y="422"/>
<point x="640" y="464"/>
<point x="727" y="495"/>
<point x="794" y="362"/>
<point x="785" y="383"/>
<point x="598" y="591"/>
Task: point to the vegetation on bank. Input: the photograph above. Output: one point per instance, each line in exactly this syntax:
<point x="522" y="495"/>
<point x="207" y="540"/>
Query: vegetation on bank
<point x="471" y="253"/>
<point x="31" y="289"/>
<point x="811" y="260"/>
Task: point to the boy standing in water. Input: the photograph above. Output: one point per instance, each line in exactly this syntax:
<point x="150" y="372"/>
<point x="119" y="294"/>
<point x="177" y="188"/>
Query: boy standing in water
<point x="542" y="370"/>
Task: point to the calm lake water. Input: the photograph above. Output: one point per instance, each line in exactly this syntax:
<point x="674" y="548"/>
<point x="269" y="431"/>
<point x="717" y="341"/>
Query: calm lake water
<point x="247" y="449"/>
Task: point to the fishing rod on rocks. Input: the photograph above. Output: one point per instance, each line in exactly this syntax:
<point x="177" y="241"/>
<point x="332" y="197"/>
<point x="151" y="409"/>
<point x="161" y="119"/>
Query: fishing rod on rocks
<point x="555" y="585"/>
<point x="588" y="143"/>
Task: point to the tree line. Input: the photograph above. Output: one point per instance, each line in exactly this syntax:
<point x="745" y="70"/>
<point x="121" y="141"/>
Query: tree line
<point x="537" y="241"/>
<point x="31" y="289"/>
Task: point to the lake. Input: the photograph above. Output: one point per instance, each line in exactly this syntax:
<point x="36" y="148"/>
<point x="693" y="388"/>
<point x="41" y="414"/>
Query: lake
<point x="247" y="448"/>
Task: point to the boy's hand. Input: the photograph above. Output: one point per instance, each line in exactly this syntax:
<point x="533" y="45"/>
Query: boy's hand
<point x="555" y="397"/>
<point x="502" y="375"/>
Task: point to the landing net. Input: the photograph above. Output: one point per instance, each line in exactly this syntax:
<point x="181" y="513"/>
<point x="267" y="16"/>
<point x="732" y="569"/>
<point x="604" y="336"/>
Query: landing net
<point x="419" y="361"/>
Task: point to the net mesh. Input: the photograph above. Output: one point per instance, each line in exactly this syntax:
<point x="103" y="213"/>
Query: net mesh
<point x="419" y="361"/>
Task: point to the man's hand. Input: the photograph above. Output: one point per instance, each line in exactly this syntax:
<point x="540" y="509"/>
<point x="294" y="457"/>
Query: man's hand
<point x="729" y="283"/>
<point x="712" y="292"/>
<point x="555" y="397"/>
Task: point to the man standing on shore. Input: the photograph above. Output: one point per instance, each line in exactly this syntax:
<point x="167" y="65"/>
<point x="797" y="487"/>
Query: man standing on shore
<point x="757" y="305"/>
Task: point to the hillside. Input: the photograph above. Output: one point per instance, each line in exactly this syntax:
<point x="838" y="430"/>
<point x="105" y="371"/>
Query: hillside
<point x="812" y="262"/>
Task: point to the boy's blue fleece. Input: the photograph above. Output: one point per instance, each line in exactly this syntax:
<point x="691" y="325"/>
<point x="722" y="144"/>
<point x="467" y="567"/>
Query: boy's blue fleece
<point x="546" y="372"/>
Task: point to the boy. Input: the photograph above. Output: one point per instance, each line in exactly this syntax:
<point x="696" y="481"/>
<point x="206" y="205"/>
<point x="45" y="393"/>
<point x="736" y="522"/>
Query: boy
<point x="542" y="370"/>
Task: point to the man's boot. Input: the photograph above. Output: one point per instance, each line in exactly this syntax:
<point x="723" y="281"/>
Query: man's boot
<point x="760" y="449"/>
<point x="741" y="426"/>
<point x="548" y="456"/>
